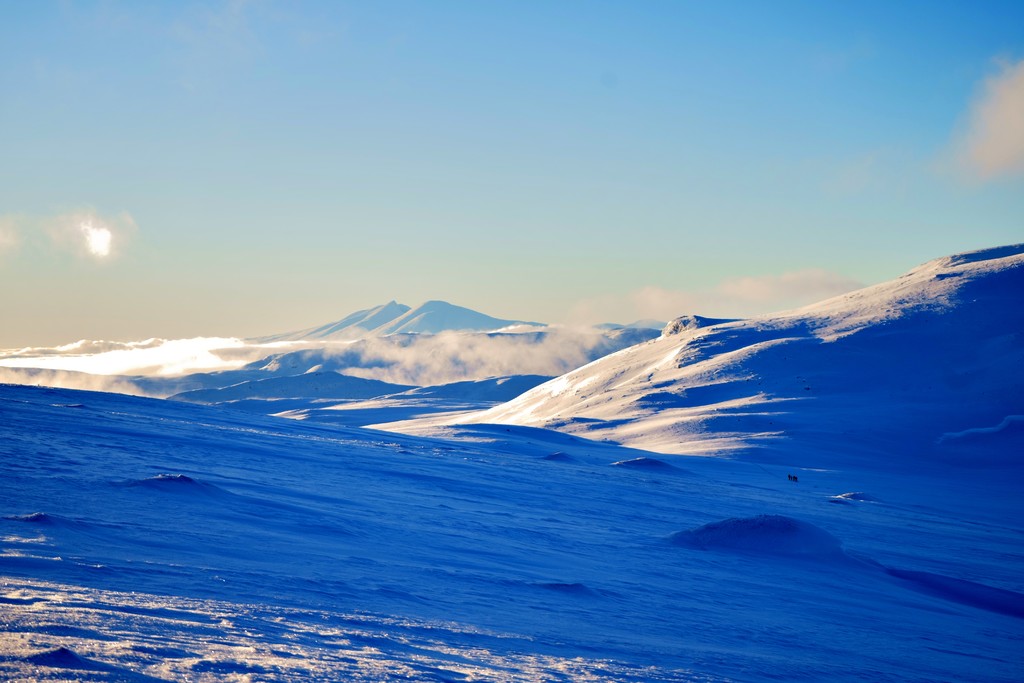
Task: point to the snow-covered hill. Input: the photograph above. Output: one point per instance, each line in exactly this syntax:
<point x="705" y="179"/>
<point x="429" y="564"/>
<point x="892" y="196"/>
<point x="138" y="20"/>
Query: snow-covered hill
<point x="904" y="370"/>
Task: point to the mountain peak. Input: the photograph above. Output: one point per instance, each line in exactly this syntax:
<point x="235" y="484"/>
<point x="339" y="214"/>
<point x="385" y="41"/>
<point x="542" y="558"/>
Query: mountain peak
<point x="434" y="316"/>
<point x="430" y="317"/>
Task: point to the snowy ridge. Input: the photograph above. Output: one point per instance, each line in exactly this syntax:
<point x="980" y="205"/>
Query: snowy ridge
<point x="351" y="326"/>
<point x="897" y="365"/>
<point x="433" y="317"/>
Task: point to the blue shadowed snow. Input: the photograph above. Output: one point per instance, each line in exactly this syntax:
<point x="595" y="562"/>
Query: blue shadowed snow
<point x="514" y="562"/>
<point x="764" y="534"/>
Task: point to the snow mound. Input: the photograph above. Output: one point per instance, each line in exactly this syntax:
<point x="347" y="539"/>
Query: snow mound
<point x="646" y="464"/>
<point x="559" y="456"/>
<point x="173" y="483"/>
<point x="34" y="518"/>
<point x="762" y="535"/>
<point x="858" y="496"/>
<point x="45" y="519"/>
<point x="63" y="658"/>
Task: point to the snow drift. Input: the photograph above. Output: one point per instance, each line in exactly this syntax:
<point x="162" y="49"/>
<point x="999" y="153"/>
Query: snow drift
<point x="763" y="535"/>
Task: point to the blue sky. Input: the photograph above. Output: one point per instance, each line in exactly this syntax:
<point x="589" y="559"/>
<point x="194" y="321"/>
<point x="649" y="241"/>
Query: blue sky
<point x="264" y="166"/>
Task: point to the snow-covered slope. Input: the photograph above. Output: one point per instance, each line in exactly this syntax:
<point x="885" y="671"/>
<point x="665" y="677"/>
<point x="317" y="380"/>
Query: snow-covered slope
<point x="898" y="370"/>
<point x="145" y="540"/>
<point x="431" y="317"/>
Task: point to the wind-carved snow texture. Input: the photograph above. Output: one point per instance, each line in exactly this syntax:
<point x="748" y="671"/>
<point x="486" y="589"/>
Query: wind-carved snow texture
<point x="162" y="540"/>
<point x="176" y="638"/>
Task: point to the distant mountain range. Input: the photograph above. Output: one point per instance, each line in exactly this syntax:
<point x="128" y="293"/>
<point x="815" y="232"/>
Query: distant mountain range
<point x="431" y="317"/>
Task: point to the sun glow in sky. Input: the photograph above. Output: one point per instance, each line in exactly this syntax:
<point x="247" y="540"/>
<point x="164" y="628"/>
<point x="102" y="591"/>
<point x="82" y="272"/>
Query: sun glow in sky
<point x="280" y="164"/>
<point x="97" y="239"/>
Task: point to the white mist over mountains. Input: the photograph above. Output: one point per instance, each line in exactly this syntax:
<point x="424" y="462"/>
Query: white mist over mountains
<point x="434" y="343"/>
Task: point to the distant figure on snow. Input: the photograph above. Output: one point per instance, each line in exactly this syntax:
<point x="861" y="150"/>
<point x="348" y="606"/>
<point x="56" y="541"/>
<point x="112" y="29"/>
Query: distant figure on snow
<point x="792" y="477"/>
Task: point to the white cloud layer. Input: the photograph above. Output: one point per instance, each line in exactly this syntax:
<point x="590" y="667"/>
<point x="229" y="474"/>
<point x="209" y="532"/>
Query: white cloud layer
<point x="404" y="359"/>
<point x="735" y="297"/>
<point x="161" y="357"/>
<point x="456" y="356"/>
<point x="994" y="142"/>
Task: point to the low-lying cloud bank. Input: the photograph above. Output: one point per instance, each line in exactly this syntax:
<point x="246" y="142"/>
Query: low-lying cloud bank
<point x="453" y="357"/>
<point x="162" y="357"/>
<point x="160" y="367"/>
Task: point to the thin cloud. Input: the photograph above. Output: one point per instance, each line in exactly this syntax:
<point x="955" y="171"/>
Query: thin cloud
<point x="162" y="357"/>
<point x="88" y="234"/>
<point x="9" y="234"/>
<point x="85" y="233"/>
<point x="788" y="289"/>
<point x="735" y="297"/>
<point x="994" y="142"/>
